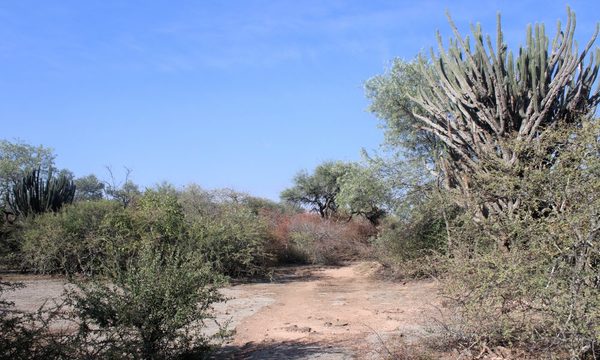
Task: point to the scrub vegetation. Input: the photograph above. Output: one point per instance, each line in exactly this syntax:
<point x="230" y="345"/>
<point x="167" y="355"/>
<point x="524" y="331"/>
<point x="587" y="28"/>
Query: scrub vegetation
<point x="489" y="181"/>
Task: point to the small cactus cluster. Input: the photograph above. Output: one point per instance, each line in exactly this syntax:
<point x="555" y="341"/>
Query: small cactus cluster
<point x="34" y="194"/>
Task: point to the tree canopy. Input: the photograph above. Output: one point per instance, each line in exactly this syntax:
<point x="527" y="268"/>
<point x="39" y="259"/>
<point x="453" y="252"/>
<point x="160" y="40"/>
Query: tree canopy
<point x="318" y="190"/>
<point x="89" y="188"/>
<point x="364" y="193"/>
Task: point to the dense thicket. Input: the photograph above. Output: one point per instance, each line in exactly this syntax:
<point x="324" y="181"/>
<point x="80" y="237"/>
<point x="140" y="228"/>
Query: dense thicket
<point x="545" y="292"/>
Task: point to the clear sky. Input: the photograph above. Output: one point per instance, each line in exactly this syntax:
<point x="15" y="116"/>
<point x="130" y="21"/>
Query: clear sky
<point x="239" y="94"/>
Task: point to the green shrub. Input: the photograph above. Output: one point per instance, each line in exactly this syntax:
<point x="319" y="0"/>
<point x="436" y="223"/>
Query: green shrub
<point x="68" y="241"/>
<point x="233" y="242"/>
<point x="10" y="243"/>
<point x="152" y="308"/>
<point x="543" y="295"/>
<point x="158" y="216"/>
<point x="231" y="236"/>
<point x="413" y="245"/>
<point x="154" y="217"/>
<point x="80" y="236"/>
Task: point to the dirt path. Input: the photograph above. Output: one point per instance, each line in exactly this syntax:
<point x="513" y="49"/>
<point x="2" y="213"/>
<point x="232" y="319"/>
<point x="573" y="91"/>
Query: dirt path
<point x="329" y="313"/>
<point x="308" y="312"/>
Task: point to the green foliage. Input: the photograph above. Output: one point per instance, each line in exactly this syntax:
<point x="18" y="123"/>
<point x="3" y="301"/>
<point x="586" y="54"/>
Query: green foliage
<point x="423" y="233"/>
<point x="258" y="205"/>
<point x="152" y="308"/>
<point x="413" y="244"/>
<point x="34" y="194"/>
<point x="150" y="290"/>
<point x="391" y="96"/>
<point x="233" y="231"/>
<point x="234" y="242"/>
<point x="363" y="193"/>
<point x="318" y="190"/>
<point x="10" y="243"/>
<point x="197" y="202"/>
<point x="72" y="240"/>
<point x="89" y="188"/>
<point x="124" y="193"/>
<point x="158" y="216"/>
<point x="78" y="238"/>
<point x="16" y="159"/>
<point x="232" y="237"/>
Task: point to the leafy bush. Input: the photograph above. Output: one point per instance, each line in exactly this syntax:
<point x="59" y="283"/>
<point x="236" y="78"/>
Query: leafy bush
<point x="68" y="241"/>
<point x="412" y="245"/>
<point x="154" y="217"/>
<point x="234" y="242"/>
<point x="158" y="216"/>
<point x="10" y="242"/>
<point x="229" y="229"/>
<point x="153" y="308"/>
<point x="80" y="236"/>
<point x="233" y="237"/>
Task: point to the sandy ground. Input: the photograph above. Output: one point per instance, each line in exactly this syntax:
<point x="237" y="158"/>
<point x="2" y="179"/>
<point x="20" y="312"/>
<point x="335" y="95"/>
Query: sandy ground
<point x="307" y="312"/>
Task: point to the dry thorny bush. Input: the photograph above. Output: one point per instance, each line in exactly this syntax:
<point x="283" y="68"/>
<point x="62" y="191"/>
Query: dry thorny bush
<point x="154" y="307"/>
<point x="529" y="278"/>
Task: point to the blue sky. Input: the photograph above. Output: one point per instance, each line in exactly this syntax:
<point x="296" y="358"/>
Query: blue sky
<point x="239" y="94"/>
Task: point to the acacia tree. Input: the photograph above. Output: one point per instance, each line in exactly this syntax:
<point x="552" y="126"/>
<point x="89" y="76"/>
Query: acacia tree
<point x="89" y="188"/>
<point x="319" y="190"/>
<point x="364" y="193"/>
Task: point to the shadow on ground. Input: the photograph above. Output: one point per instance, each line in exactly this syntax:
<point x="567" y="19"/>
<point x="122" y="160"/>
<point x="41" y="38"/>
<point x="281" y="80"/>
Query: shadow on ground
<point x="288" y="274"/>
<point x="282" y="350"/>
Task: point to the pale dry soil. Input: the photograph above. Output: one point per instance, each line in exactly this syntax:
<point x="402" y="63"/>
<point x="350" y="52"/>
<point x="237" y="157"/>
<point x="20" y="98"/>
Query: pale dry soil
<point x="306" y="312"/>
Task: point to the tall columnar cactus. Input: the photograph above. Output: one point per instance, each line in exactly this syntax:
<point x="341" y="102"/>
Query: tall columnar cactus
<point x="480" y="100"/>
<point x="34" y="195"/>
